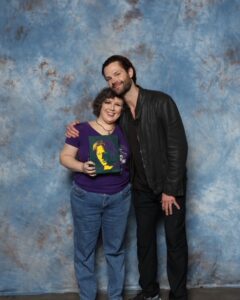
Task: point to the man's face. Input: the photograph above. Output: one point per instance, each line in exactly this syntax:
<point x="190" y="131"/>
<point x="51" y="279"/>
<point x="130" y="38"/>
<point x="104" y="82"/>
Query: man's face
<point x="117" y="78"/>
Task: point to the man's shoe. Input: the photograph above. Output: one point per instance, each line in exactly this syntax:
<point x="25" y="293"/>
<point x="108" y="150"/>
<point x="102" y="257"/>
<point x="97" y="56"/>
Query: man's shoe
<point x="140" y="296"/>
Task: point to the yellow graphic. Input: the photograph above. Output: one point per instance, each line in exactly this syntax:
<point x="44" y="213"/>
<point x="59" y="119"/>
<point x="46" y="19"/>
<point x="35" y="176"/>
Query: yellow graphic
<point x="99" y="148"/>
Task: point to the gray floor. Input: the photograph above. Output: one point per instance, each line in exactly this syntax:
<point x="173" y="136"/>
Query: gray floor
<point x="194" y="294"/>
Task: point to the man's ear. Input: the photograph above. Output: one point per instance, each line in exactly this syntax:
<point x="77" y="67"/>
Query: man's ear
<point x="130" y="72"/>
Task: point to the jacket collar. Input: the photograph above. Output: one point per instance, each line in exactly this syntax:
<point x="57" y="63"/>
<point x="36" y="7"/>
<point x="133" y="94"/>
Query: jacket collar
<point x="139" y="105"/>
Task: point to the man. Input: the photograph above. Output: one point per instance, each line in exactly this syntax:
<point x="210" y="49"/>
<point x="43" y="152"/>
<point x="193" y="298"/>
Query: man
<point x="158" y="143"/>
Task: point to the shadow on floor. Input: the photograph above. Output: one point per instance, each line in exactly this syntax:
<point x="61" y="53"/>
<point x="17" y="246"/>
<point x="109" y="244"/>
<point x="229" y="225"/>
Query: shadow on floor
<point x="194" y="294"/>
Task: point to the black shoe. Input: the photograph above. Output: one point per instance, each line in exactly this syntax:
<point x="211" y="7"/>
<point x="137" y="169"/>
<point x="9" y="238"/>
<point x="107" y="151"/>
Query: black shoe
<point x="140" y="296"/>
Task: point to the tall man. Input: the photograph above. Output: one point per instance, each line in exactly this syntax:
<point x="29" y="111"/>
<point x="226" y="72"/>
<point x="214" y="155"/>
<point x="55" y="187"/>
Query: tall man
<point x="158" y="143"/>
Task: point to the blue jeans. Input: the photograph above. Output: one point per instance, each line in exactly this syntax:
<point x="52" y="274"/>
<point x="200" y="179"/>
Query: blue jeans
<point x="92" y="212"/>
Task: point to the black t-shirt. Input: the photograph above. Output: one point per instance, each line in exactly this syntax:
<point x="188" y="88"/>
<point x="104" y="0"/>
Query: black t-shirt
<point x="139" y="179"/>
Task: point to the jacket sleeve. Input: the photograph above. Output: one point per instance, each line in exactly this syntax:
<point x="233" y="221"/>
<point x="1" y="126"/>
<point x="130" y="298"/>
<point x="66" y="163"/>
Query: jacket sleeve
<point x="176" y="150"/>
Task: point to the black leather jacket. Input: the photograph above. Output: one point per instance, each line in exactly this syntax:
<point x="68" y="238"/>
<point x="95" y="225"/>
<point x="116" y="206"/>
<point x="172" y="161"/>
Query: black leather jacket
<point x="162" y="140"/>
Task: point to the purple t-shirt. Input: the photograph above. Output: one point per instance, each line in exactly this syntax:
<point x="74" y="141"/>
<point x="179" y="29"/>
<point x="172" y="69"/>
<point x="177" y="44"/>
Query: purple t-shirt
<point x="102" y="183"/>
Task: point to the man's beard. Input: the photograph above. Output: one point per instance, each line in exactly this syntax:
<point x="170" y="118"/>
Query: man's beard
<point x="126" y="87"/>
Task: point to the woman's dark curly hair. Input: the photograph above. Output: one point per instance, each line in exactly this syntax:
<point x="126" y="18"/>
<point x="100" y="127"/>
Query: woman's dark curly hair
<point x="104" y="94"/>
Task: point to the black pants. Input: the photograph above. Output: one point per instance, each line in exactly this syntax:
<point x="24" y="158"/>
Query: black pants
<point x="147" y="210"/>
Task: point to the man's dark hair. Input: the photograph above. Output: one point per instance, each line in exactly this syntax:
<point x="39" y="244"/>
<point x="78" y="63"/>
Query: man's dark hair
<point x="104" y="94"/>
<point x="124" y="62"/>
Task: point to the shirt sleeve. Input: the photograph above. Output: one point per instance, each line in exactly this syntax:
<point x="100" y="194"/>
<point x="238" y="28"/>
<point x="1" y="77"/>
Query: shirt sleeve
<point x="75" y="142"/>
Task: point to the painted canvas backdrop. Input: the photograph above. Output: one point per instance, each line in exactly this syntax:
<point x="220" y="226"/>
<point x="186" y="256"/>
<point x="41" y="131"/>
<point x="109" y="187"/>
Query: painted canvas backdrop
<point x="50" y="70"/>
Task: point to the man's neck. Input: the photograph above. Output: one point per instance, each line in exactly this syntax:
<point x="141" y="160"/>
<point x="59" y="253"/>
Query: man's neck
<point x="131" y="98"/>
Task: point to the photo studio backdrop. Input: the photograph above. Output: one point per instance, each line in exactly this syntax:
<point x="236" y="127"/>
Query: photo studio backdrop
<point x="51" y="53"/>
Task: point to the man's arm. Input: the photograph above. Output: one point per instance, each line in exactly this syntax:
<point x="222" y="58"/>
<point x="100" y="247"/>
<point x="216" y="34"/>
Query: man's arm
<point x="176" y="151"/>
<point x="176" y="154"/>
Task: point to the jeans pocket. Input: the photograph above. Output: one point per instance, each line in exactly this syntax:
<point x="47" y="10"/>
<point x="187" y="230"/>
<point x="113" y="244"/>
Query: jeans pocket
<point x="78" y="192"/>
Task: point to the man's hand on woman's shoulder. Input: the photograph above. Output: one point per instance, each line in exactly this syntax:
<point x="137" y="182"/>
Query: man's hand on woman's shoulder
<point x="71" y="131"/>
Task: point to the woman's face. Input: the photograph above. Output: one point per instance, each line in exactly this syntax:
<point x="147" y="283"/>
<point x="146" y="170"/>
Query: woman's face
<point x="111" y="110"/>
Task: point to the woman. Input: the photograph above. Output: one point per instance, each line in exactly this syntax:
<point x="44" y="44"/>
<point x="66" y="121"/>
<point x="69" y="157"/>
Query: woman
<point x="99" y="200"/>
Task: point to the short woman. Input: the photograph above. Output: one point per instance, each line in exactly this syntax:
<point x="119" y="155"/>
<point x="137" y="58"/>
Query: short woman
<point x="99" y="201"/>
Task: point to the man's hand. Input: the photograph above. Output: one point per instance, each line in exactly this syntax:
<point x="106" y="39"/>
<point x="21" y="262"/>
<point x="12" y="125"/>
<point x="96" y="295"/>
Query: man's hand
<point x="72" y="132"/>
<point x="167" y="204"/>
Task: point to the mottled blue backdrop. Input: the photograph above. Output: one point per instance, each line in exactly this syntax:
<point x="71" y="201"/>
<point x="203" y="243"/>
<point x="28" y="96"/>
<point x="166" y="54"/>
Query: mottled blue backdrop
<point x="50" y="62"/>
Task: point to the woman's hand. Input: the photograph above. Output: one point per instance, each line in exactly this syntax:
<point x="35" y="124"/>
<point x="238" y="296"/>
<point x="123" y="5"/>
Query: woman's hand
<point x="68" y="160"/>
<point x="71" y="131"/>
<point x="89" y="168"/>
